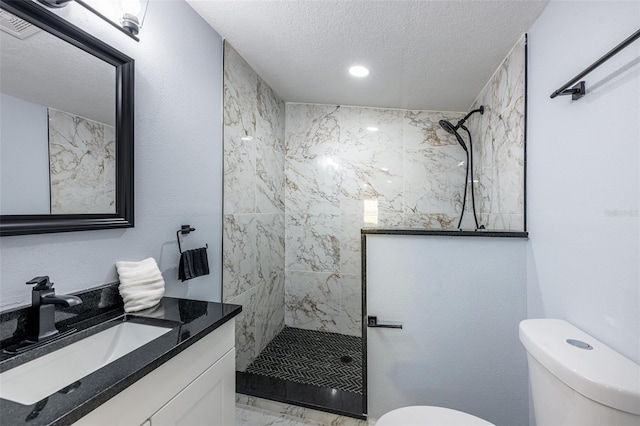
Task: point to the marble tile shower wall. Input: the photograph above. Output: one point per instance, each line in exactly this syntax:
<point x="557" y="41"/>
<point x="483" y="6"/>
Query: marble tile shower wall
<point x="349" y="167"/>
<point x="343" y="175"/>
<point x="499" y="153"/>
<point x="253" y="236"/>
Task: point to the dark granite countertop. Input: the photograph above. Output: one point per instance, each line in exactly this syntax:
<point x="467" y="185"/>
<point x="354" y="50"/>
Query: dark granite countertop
<point x="189" y="320"/>
<point x="446" y="232"/>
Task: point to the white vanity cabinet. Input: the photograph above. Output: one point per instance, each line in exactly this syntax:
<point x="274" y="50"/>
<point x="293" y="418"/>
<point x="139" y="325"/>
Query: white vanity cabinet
<point x="196" y="387"/>
<point x="203" y="401"/>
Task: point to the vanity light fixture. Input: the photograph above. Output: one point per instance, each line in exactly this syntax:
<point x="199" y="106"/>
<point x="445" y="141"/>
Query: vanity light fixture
<point x="359" y="71"/>
<point x="130" y="12"/>
<point x="130" y="22"/>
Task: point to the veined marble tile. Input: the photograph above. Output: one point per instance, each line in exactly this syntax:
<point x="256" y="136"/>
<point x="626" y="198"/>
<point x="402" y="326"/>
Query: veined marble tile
<point x="270" y="274"/>
<point x="507" y="84"/>
<point x="269" y="405"/>
<point x="324" y="302"/>
<point x="270" y="179"/>
<point x="239" y="255"/>
<point x="240" y="93"/>
<point x="508" y="182"/>
<point x="368" y="213"/>
<point x="422" y="129"/>
<point x="82" y="164"/>
<point x="434" y="180"/>
<point x="312" y="185"/>
<point x="239" y="173"/>
<point x="313" y="300"/>
<point x="270" y="248"/>
<point x="312" y="130"/>
<point x="252" y="416"/>
<point x="246" y="350"/>
<point x="355" y="216"/>
<point x="366" y="129"/>
<point x="374" y="175"/>
<point x="270" y="309"/>
<point x="350" y="320"/>
<point x="350" y="241"/>
<point x="499" y="166"/>
<point x="432" y="220"/>
<point x="505" y="221"/>
<point x="312" y="242"/>
<point x="253" y="252"/>
<point x="302" y="413"/>
<point x="270" y="117"/>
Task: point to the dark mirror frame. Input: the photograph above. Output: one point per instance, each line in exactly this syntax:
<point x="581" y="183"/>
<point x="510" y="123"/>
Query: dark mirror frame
<point x="124" y="66"/>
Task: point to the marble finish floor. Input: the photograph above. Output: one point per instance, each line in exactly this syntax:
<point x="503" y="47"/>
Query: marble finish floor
<point x="252" y="416"/>
<point x="252" y="411"/>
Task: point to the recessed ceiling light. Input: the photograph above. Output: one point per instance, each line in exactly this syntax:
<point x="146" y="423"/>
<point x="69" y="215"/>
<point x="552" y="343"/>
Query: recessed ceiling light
<point x="372" y="129"/>
<point x="358" y="71"/>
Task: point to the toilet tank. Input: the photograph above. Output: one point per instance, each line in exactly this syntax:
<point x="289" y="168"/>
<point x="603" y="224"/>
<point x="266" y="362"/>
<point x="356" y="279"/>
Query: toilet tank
<point x="579" y="383"/>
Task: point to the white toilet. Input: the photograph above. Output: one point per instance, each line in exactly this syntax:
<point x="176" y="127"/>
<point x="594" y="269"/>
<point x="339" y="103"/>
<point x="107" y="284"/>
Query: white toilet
<point x="577" y="380"/>
<point x="422" y="415"/>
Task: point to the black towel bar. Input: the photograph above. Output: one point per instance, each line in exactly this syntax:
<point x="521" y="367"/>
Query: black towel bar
<point x="579" y="90"/>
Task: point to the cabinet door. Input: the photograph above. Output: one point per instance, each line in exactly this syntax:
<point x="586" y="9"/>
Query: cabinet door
<point x="208" y="400"/>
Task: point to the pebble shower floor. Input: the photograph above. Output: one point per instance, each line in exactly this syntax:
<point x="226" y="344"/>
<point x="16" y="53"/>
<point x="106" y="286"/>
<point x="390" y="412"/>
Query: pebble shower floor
<point x="313" y="357"/>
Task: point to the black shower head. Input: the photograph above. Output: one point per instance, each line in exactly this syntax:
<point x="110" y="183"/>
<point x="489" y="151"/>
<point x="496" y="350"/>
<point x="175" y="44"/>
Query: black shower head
<point x="450" y="128"/>
<point x="446" y="125"/>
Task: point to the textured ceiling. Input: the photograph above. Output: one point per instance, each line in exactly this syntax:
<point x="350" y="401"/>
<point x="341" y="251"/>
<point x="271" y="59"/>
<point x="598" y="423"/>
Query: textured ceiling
<point x="423" y="54"/>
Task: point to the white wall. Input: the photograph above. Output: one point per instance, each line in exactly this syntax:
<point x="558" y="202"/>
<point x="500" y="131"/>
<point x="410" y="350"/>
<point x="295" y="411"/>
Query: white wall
<point x="24" y="157"/>
<point x="583" y="172"/>
<point x="178" y="165"/>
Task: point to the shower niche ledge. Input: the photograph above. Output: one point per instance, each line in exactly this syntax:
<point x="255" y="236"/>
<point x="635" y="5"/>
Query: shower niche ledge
<point x="446" y="232"/>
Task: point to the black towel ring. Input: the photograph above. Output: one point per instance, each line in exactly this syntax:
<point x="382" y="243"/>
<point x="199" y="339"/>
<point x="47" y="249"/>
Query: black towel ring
<point x="185" y="229"/>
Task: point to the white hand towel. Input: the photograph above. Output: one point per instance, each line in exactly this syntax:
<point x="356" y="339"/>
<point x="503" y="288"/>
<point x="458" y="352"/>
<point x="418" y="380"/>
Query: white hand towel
<point x="141" y="284"/>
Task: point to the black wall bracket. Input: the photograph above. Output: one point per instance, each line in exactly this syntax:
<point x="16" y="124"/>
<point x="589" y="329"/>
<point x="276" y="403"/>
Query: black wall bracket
<point x="576" y="92"/>
<point x="184" y="230"/>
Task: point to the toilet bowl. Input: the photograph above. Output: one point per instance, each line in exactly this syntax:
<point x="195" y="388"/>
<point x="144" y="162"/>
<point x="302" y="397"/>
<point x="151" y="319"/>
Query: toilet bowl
<point x="422" y="415"/>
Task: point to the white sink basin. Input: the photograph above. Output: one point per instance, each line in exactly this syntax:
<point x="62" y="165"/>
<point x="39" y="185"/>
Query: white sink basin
<point x="37" y="379"/>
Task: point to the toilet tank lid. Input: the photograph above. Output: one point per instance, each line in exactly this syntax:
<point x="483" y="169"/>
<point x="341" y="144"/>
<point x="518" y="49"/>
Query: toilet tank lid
<point x="600" y="373"/>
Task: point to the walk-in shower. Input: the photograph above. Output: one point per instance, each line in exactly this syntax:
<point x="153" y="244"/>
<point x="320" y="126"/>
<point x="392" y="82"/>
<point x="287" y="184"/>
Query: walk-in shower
<point x="450" y="128"/>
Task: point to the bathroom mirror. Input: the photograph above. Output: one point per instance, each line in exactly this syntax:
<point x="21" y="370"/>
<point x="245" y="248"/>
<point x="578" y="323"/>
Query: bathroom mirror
<point x="66" y="126"/>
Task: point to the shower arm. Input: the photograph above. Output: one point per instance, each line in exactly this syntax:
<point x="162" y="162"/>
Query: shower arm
<point x="464" y="119"/>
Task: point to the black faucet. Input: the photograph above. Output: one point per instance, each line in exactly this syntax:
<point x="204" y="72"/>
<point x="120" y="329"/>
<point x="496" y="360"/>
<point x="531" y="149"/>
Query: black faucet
<point x="42" y="324"/>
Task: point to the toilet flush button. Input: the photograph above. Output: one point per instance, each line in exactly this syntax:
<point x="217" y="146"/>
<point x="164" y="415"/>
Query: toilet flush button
<point x="579" y="344"/>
